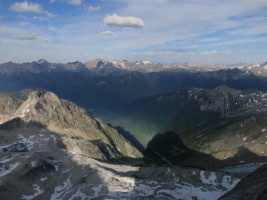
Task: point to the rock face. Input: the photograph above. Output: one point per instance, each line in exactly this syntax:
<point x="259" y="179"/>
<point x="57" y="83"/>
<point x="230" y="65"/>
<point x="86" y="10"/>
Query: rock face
<point x="10" y="102"/>
<point x="78" y="130"/>
<point x="252" y="187"/>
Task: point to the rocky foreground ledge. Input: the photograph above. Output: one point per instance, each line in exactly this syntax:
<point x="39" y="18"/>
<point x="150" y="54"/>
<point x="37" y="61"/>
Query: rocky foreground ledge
<point x="34" y="166"/>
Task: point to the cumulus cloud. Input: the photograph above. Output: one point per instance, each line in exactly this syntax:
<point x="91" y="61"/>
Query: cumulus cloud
<point x="28" y="7"/>
<point x="123" y="22"/>
<point x="26" y="37"/>
<point x="92" y="8"/>
<point x="107" y="33"/>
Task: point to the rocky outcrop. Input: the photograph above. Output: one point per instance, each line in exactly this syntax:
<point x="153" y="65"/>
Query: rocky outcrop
<point x="33" y="165"/>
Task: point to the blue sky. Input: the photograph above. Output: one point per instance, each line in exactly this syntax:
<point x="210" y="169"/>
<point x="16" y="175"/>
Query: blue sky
<point x="167" y="31"/>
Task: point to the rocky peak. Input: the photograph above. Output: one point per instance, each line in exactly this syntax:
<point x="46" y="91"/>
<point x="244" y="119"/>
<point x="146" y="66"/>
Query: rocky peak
<point x="42" y="61"/>
<point x="98" y="63"/>
<point x="60" y="116"/>
<point x="264" y="64"/>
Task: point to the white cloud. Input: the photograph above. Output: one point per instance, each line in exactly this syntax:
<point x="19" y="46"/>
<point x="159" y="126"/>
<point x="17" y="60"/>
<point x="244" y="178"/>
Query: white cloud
<point x="107" y="33"/>
<point x="40" y="18"/>
<point x="74" y="2"/>
<point x="28" y="7"/>
<point x="26" y="37"/>
<point x="92" y="8"/>
<point x="209" y="52"/>
<point x="214" y="52"/>
<point x="71" y="2"/>
<point x="123" y="22"/>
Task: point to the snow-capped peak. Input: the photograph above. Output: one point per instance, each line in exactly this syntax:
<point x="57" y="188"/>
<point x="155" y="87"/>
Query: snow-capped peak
<point x="41" y="61"/>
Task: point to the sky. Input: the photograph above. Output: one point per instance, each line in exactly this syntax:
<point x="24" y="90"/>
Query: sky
<point x="166" y="31"/>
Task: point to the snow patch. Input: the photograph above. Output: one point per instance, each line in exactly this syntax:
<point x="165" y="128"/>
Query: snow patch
<point x="6" y="160"/>
<point x="23" y="112"/>
<point x="7" y="170"/>
<point x="43" y="179"/>
<point x="211" y="180"/>
<point x="146" y="62"/>
<point x="188" y="192"/>
<point x="228" y="183"/>
<point x="61" y="191"/>
<point x="79" y="195"/>
<point x="37" y="190"/>
<point x="26" y="141"/>
<point x="33" y="163"/>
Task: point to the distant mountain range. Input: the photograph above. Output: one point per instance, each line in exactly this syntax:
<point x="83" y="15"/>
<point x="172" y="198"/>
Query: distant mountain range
<point x="141" y="66"/>
<point x="103" y="86"/>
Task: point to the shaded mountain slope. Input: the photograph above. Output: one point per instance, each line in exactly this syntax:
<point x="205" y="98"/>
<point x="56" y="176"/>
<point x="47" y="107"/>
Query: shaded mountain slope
<point x="189" y="107"/>
<point x="226" y="124"/>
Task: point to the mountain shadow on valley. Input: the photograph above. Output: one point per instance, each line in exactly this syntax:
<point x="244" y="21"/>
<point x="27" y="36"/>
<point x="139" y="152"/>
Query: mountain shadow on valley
<point x="169" y="149"/>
